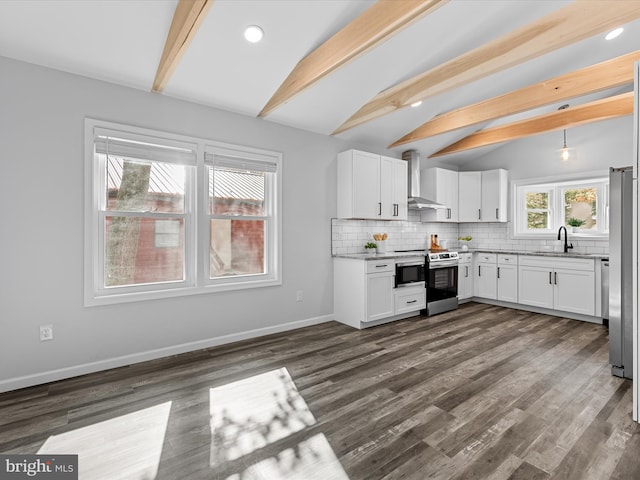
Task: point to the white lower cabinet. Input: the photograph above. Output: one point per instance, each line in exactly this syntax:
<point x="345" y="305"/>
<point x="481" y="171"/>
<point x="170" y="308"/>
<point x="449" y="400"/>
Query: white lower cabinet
<point x="465" y="276"/>
<point x="379" y="296"/>
<point x="535" y="286"/>
<point x="574" y="291"/>
<point x="496" y="277"/>
<point x="485" y="276"/>
<point x="566" y="284"/>
<point x="507" y="277"/>
<point x="364" y="293"/>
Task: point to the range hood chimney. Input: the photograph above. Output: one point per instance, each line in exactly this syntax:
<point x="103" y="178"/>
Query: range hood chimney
<point x="415" y="200"/>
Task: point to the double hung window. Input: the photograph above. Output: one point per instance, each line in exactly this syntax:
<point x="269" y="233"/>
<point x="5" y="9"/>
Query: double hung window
<point x="172" y="215"/>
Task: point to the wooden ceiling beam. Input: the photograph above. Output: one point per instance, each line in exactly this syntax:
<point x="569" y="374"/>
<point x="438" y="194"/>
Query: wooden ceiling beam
<point x="607" y="108"/>
<point x="187" y="19"/>
<point x="379" y="22"/>
<point x="609" y="74"/>
<point x="575" y="22"/>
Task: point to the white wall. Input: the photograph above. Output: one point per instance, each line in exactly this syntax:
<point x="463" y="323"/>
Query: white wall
<point x="41" y="150"/>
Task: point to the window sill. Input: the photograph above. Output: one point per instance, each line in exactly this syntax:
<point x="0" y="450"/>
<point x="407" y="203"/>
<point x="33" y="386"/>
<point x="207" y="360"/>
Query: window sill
<point x="602" y="237"/>
<point x="118" y="298"/>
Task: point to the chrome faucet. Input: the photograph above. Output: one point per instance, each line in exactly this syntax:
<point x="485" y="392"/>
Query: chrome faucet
<point x="566" y="247"/>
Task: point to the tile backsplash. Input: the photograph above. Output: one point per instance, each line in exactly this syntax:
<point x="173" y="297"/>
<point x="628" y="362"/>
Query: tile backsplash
<point x="499" y="236"/>
<point x="349" y="236"/>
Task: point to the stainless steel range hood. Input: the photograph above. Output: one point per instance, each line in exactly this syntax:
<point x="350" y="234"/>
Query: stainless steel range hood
<point x="415" y="200"/>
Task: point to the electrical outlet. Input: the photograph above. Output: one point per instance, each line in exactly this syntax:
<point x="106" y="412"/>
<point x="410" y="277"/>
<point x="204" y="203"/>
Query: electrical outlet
<point x="46" y="333"/>
<point x="299" y="296"/>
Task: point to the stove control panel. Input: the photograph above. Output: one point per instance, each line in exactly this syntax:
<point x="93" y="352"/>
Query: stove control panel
<point x="443" y="256"/>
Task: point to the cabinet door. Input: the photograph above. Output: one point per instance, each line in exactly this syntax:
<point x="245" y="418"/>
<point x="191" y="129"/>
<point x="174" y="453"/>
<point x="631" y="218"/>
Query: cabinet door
<point x="484" y="282"/>
<point x="399" y="190"/>
<point x="366" y="181"/>
<point x="386" y="188"/>
<point x="379" y="296"/>
<point x="508" y="283"/>
<point x="535" y="286"/>
<point x="574" y="291"/>
<point x="448" y="184"/>
<point x="465" y="281"/>
<point x="469" y="196"/>
<point x="440" y="185"/>
<point x="494" y="196"/>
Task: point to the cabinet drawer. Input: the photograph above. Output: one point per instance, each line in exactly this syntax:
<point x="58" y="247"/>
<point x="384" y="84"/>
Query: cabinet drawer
<point x="409" y="299"/>
<point x="505" y="259"/>
<point x="486" y="258"/>
<point x="464" y="257"/>
<point x="378" y="266"/>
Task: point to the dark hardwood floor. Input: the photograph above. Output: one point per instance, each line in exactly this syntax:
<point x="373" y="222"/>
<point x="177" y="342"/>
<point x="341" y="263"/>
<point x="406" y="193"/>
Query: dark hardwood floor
<point x="482" y="392"/>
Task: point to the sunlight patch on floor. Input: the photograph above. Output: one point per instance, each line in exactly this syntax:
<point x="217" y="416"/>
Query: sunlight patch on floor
<point x="126" y="447"/>
<point x="312" y="459"/>
<point x="251" y="415"/>
<point x="254" y="412"/>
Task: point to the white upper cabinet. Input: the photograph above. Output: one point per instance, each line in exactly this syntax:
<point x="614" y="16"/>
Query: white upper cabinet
<point x="371" y="186"/>
<point x="441" y="185"/>
<point x="399" y="190"/>
<point x="469" y="196"/>
<point x="494" y="196"/>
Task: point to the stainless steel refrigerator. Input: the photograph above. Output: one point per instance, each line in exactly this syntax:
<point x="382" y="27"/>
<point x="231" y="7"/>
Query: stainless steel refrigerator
<point x="621" y="271"/>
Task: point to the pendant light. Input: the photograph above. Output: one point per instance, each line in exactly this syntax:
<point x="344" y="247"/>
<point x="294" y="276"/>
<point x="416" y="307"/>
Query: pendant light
<point x="565" y="153"/>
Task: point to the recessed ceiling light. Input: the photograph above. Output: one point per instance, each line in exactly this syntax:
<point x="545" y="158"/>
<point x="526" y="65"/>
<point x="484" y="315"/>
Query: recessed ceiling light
<point x="416" y="104"/>
<point x="614" y="33"/>
<point x="253" y="33"/>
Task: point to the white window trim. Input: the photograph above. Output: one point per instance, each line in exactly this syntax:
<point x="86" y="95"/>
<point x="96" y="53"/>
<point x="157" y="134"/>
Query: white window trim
<point x="196" y="236"/>
<point x="557" y="183"/>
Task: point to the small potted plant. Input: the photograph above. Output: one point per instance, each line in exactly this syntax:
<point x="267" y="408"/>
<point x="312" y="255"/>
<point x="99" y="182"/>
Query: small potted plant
<point x="575" y="223"/>
<point x="370" y="247"/>
<point x="466" y="240"/>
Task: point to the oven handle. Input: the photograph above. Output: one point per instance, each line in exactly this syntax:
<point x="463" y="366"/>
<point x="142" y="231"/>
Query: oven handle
<point x="412" y="284"/>
<point x="410" y="264"/>
<point x="438" y="266"/>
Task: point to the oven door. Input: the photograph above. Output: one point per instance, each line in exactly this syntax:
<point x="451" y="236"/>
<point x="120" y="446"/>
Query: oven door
<point x="442" y="282"/>
<point x="409" y="274"/>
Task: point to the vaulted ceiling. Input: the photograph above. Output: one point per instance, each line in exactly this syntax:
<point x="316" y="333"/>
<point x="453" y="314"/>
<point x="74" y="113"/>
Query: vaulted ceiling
<point x="487" y="71"/>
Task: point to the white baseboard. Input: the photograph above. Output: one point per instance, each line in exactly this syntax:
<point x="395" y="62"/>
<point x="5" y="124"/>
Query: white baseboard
<point x="76" y="370"/>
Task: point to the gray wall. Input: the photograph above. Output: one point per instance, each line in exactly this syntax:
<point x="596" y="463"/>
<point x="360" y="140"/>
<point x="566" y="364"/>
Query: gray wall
<point x="41" y="244"/>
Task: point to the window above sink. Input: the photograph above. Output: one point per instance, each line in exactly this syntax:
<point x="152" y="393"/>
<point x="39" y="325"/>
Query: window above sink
<point x="542" y="207"/>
